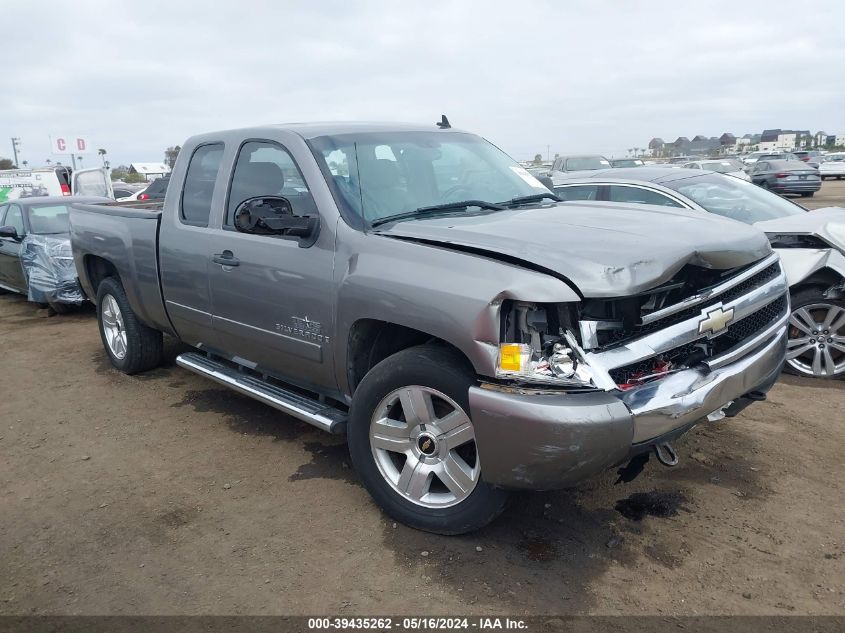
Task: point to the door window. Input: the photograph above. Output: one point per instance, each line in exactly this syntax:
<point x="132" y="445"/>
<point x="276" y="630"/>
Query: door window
<point x="91" y="183"/>
<point x="199" y="184"/>
<point x="14" y="217"/>
<point x="618" y="193"/>
<point x="266" y="169"/>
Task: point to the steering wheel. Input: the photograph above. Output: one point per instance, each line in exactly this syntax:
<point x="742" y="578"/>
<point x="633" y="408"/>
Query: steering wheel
<point x="453" y="190"/>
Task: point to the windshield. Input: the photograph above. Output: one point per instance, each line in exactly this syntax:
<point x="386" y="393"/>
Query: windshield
<point x="734" y="198"/>
<point x="45" y="219"/>
<point x="380" y="174"/>
<point x="722" y="166"/>
<point x="579" y="163"/>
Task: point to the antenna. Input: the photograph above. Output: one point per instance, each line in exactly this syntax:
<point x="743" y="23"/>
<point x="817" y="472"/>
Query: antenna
<point x="444" y="124"/>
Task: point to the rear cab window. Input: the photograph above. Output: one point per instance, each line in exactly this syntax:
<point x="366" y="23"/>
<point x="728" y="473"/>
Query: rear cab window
<point x="195" y="206"/>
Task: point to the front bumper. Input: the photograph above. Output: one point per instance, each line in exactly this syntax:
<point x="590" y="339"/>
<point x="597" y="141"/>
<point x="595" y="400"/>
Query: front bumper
<point x="547" y="441"/>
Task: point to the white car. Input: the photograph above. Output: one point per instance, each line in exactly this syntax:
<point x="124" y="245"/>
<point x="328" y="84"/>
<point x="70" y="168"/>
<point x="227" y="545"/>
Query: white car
<point x="832" y="165"/>
<point x="727" y="166"/>
<point x="811" y="245"/>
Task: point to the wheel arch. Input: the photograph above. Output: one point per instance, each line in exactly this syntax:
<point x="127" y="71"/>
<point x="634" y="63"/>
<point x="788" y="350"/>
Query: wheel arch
<point x="370" y="341"/>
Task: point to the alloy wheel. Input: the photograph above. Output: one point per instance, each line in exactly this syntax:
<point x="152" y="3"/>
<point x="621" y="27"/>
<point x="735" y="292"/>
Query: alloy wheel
<point x="816" y="345"/>
<point x="423" y="443"/>
<point x="113" y="327"/>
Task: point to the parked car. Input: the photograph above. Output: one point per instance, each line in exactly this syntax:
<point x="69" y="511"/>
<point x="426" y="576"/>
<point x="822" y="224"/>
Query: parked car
<point x="583" y="162"/>
<point x="752" y="157"/>
<point x="35" y="255"/>
<point x="155" y="190"/>
<point x="470" y="338"/>
<point x="778" y="156"/>
<point x="786" y="176"/>
<point x="124" y="193"/>
<point x="832" y="166"/>
<point x="627" y="162"/>
<point x="811" y="247"/>
<point x="54" y="181"/>
<point x="728" y="167"/>
<point x="809" y="156"/>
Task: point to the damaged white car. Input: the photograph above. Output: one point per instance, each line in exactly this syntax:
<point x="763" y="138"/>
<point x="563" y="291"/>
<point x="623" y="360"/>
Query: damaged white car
<point x="811" y="246"/>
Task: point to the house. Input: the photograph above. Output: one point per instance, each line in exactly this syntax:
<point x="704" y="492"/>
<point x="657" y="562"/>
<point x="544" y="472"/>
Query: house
<point x="839" y="139"/>
<point x="150" y="171"/>
<point x="656" y="145"/>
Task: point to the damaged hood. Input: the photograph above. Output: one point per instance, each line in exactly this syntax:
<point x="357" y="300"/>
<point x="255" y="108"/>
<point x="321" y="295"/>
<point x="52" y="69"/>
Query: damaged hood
<point x="827" y="223"/>
<point x="601" y="251"/>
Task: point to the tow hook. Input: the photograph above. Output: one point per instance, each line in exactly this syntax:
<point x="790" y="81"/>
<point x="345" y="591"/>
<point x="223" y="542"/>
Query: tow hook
<point x="666" y="455"/>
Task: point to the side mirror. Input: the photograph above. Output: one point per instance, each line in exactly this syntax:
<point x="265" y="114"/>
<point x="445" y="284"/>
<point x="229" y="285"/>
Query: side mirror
<point x="9" y="231"/>
<point x="273" y="215"/>
<point x="547" y="183"/>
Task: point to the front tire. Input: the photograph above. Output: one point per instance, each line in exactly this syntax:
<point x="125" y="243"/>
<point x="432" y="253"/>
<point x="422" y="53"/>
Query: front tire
<point x="412" y="442"/>
<point x="131" y="346"/>
<point x="816" y="344"/>
<point x="807" y="194"/>
<point x="59" y="308"/>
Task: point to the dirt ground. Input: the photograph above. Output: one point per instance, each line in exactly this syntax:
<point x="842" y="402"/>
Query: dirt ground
<point x="165" y="494"/>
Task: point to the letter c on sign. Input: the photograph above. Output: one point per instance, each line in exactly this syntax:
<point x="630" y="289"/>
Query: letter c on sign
<point x="60" y="144"/>
<point x="80" y="144"/>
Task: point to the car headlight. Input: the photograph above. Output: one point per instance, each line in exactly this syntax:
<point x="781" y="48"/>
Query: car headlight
<point x="558" y="365"/>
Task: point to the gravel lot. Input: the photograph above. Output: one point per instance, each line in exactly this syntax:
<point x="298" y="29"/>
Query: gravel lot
<point x="166" y="494"/>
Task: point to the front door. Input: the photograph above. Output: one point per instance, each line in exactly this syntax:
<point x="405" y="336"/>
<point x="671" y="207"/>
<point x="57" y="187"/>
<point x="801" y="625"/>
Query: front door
<point x="92" y="182"/>
<point x="11" y="270"/>
<point x="272" y="299"/>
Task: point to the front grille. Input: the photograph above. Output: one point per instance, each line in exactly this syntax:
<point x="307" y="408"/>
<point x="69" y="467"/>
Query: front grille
<point x="704" y="348"/>
<point x="756" y="280"/>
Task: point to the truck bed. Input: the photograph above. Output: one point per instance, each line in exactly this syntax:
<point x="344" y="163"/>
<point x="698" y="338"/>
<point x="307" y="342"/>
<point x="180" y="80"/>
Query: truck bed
<point x="121" y="237"/>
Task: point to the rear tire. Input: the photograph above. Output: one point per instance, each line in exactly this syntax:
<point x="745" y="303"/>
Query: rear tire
<point x="131" y="346"/>
<point x="764" y="184"/>
<point x="420" y="463"/>
<point x="807" y="194"/>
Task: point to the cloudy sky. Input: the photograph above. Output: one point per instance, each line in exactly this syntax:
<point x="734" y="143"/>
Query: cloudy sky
<point x="591" y="76"/>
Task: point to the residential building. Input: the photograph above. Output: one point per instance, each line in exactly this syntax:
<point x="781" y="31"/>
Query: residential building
<point x="150" y="171"/>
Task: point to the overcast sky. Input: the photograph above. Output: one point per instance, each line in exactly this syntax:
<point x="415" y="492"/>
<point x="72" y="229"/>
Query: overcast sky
<point x="577" y="76"/>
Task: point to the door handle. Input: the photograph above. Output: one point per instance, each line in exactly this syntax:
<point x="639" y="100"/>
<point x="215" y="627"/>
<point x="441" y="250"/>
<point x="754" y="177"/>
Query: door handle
<point x="226" y="258"/>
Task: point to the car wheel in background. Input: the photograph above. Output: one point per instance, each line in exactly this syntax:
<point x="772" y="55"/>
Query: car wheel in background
<point x="130" y="345"/>
<point x="412" y="442"/>
<point x="807" y="194"/>
<point x="816" y="330"/>
<point x="764" y="184"/>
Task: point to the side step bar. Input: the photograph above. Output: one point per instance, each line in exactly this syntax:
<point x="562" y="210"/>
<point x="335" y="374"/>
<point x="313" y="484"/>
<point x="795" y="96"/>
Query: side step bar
<point x="302" y="407"/>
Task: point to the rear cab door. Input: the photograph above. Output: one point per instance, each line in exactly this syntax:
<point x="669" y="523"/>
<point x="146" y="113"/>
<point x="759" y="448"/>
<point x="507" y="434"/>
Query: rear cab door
<point x="92" y="182"/>
<point x="191" y="207"/>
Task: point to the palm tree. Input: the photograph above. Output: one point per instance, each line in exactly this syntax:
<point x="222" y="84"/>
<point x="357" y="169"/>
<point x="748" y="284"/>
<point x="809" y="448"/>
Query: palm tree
<point x="48" y="161"/>
<point x="25" y="163"/>
<point x="102" y="154"/>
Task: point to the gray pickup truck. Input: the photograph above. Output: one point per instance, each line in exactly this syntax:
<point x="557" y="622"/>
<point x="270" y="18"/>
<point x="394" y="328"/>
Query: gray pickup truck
<point x="418" y="290"/>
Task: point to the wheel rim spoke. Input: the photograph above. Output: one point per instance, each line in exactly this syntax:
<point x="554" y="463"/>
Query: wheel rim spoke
<point x="459" y="436"/>
<point x="838" y="345"/>
<point x="831" y="318"/>
<point x="817" y="362"/>
<point x="391" y="437"/>
<point x="803" y="320"/>
<point x="829" y="364"/>
<point x="456" y="475"/>
<point x="452" y="421"/>
<point x="417" y="406"/>
<point x="415" y="479"/>
<point x="839" y="323"/>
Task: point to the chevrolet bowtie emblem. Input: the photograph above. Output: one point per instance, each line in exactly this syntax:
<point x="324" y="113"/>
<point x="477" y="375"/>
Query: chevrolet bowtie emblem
<point x="715" y="320"/>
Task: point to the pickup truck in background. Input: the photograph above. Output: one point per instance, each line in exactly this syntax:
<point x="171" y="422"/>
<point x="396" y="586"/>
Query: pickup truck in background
<point x="418" y="290"/>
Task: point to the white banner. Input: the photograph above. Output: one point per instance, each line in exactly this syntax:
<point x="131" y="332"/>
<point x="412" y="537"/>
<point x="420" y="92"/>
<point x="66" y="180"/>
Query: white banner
<point x="71" y="144"/>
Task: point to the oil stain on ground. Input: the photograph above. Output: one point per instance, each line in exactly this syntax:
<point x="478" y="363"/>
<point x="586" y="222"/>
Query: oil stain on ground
<point x="244" y="415"/>
<point x="656" y="503"/>
<point x="328" y="461"/>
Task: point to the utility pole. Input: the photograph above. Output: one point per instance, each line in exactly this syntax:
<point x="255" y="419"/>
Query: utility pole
<point x="548" y="153"/>
<point x="16" y="143"/>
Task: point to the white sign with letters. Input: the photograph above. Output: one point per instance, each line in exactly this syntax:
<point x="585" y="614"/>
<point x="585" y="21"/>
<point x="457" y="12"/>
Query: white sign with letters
<point x="71" y="144"/>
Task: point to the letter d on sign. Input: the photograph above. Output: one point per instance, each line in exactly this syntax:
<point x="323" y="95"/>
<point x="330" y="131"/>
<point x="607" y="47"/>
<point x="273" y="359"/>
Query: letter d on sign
<point x="80" y="144"/>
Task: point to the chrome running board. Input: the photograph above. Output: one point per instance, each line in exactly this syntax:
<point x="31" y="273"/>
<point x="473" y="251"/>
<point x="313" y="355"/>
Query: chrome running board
<point x="310" y="410"/>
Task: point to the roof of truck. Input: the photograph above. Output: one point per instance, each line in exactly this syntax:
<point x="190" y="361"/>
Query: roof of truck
<point x="327" y="128"/>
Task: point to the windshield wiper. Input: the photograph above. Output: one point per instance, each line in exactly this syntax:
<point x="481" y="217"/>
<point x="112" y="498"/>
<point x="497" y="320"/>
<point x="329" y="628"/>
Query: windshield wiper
<point x="437" y="208"/>
<point x="537" y="197"/>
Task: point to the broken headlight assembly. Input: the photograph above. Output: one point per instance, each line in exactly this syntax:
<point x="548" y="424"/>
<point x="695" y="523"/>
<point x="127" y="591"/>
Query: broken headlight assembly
<point x="535" y="349"/>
